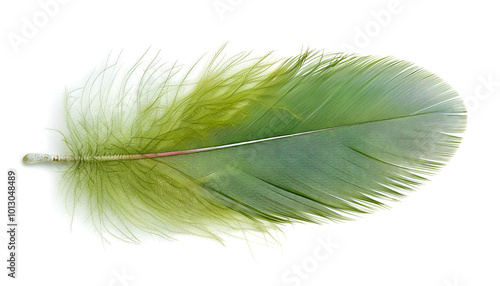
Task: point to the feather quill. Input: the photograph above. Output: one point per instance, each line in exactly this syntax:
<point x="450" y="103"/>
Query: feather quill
<point x="251" y="143"/>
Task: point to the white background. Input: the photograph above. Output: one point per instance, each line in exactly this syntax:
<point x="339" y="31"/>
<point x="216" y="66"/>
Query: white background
<point x="445" y="234"/>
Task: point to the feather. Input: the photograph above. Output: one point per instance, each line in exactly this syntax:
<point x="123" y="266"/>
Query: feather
<point x="251" y="143"/>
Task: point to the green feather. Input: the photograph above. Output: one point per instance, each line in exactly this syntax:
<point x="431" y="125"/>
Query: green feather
<point x="310" y="138"/>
